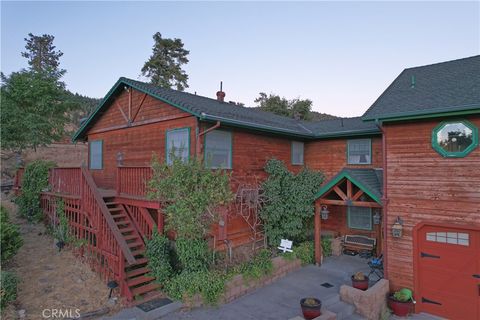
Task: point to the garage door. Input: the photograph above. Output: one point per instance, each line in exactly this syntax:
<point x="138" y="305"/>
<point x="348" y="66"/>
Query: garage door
<point x="448" y="272"/>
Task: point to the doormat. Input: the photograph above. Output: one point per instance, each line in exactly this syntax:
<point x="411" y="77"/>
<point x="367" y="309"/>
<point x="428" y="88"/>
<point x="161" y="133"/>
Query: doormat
<point x="326" y="285"/>
<point x="154" y="304"/>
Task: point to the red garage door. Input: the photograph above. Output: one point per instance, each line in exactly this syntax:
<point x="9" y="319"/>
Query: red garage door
<point x="448" y="272"/>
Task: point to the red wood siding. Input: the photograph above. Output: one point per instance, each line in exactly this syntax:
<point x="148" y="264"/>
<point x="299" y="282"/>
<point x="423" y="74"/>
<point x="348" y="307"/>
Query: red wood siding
<point x="140" y="141"/>
<point x="337" y="222"/>
<point x="330" y="156"/>
<point x="424" y="186"/>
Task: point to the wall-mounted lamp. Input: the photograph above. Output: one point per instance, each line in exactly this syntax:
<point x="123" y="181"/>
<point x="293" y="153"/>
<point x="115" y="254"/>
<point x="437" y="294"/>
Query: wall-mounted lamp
<point x="324" y="212"/>
<point x="377" y="218"/>
<point x="397" y="228"/>
<point x="119" y="158"/>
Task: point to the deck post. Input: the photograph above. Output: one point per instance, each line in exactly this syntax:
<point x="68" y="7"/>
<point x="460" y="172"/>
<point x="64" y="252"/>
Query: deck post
<point x="318" y="246"/>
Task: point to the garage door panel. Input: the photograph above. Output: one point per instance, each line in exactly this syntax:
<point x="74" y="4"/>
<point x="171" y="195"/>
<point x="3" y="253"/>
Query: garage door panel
<point x="447" y="260"/>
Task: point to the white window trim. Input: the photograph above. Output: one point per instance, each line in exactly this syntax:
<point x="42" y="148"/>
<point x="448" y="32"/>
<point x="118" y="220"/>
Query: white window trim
<point x="370" y="150"/>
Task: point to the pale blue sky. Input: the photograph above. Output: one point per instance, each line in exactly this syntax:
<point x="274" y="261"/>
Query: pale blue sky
<point x="341" y="55"/>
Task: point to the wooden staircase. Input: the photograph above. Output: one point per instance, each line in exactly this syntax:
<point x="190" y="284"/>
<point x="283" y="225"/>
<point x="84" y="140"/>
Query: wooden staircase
<point x="141" y="286"/>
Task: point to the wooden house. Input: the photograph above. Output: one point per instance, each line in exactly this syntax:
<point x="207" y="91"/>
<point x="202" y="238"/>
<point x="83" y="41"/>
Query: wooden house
<point x="411" y="161"/>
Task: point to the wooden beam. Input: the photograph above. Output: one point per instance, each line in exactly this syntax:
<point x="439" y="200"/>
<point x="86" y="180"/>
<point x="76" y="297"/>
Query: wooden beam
<point x="340" y="193"/>
<point x="121" y="111"/>
<point x="130" y="103"/>
<point x="353" y="203"/>
<point x="318" y="229"/>
<point x="139" y="107"/>
<point x="349" y="189"/>
<point x="357" y="195"/>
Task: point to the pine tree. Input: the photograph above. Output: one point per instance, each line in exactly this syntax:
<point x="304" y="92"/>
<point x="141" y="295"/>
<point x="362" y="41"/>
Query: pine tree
<point x="164" y="67"/>
<point x="42" y="56"/>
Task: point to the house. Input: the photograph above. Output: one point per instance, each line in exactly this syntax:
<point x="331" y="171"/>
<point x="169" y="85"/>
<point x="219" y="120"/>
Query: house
<point x="411" y="161"/>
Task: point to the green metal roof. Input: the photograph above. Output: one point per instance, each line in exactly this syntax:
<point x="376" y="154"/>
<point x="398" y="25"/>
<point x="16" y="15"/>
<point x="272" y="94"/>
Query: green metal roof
<point x="441" y="89"/>
<point x="230" y="114"/>
<point x="369" y="181"/>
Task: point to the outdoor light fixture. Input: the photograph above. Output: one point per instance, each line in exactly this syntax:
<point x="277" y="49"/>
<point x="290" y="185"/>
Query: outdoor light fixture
<point x="119" y="158"/>
<point x="377" y="217"/>
<point x="111" y="285"/>
<point x="397" y="228"/>
<point x="324" y="212"/>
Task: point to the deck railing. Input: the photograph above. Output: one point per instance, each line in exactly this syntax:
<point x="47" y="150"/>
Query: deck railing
<point x="66" y="180"/>
<point x="133" y="180"/>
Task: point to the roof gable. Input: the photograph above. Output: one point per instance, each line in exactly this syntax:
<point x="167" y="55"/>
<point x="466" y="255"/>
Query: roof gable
<point x="441" y="88"/>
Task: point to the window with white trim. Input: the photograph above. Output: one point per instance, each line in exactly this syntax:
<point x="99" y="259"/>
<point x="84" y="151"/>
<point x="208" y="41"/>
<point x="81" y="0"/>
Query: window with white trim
<point x="96" y="154"/>
<point x="360" y="218"/>
<point x="218" y="149"/>
<point x="297" y="152"/>
<point x="177" y="144"/>
<point x="460" y="238"/>
<point x="359" y="151"/>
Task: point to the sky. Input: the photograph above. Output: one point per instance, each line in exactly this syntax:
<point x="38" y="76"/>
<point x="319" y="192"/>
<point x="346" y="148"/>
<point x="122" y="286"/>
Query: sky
<point x="340" y="55"/>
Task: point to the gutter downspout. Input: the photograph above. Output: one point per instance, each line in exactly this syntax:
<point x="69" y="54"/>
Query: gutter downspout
<point x="200" y="134"/>
<point x="384" y="198"/>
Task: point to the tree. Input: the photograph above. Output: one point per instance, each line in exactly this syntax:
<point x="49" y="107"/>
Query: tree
<point x="164" y="67"/>
<point x="34" y="110"/>
<point x="42" y="56"/>
<point x="296" y="108"/>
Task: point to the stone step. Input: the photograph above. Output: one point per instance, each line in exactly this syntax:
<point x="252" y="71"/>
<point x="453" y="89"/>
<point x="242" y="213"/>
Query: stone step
<point x="342" y="310"/>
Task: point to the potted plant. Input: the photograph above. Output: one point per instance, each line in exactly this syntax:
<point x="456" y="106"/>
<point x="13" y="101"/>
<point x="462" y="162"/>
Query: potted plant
<point x="401" y="302"/>
<point x="311" y="308"/>
<point x="360" y="281"/>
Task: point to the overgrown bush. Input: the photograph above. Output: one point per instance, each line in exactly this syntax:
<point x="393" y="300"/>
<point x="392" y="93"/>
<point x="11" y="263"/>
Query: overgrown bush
<point x="8" y="285"/>
<point x="158" y="253"/>
<point x="11" y="239"/>
<point x="191" y="193"/>
<point x="290" y="201"/>
<point x="259" y="266"/>
<point x="60" y="228"/>
<point x="305" y="252"/>
<point x="209" y="284"/>
<point x="192" y="254"/>
<point x="326" y="246"/>
<point x="34" y="180"/>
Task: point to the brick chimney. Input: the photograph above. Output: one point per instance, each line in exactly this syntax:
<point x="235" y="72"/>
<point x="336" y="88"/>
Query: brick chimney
<point x="221" y="94"/>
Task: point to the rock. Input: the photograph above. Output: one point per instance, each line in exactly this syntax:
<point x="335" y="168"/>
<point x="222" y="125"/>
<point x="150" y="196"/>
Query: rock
<point x="112" y="301"/>
<point x="22" y="313"/>
<point x="370" y="303"/>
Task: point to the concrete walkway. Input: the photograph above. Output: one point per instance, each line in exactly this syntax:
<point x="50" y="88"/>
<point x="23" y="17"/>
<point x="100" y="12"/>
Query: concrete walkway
<point x="281" y="299"/>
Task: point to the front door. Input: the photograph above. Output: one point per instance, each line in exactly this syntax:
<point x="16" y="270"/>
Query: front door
<point x="448" y="272"/>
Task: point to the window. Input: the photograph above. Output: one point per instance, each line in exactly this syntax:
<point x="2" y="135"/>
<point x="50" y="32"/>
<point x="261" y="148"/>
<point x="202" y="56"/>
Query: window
<point x="297" y="153"/>
<point x="96" y="154"/>
<point x="455" y="139"/>
<point x="218" y="149"/>
<point x="359" y="151"/>
<point x="449" y="237"/>
<point x="177" y="144"/>
<point x="360" y="218"/>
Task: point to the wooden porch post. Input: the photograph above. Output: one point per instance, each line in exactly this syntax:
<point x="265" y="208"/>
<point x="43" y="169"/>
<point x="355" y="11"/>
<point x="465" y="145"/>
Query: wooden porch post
<point x="318" y="246"/>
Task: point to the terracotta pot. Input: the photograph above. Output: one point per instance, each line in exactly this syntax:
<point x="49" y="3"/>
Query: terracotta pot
<point x="311" y="311"/>
<point x="360" y="284"/>
<point x="400" y="308"/>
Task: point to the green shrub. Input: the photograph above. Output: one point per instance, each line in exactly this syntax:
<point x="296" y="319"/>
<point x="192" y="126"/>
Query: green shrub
<point x="258" y="267"/>
<point x="305" y="252"/>
<point x="290" y="202"/>
<point x="61" y="229"/>
<point x="209" y="284"/>
<point x="326" y="246"/>
<point x="8" y="291"/>
<point x="192" y="254"/>
<point x="34" y="180"/>
<point x="158" y="253"/>
<point x="11" y="240"/>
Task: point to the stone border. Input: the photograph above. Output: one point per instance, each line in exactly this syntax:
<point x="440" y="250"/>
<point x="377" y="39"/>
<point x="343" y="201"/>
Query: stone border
<point x="371" y="303"/>
<point x="238" y="286"/>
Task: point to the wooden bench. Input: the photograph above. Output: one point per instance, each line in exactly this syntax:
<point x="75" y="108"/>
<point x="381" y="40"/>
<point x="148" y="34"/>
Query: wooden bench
<point x="359" y="243"/>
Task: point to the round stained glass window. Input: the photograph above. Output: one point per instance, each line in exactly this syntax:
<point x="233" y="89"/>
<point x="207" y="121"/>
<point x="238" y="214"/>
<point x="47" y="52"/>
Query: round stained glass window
<point x="455" y="138"/>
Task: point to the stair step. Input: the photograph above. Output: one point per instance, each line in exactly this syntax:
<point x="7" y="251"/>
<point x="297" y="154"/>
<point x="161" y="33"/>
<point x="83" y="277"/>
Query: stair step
<point x="120" y="216"/>
<point x="137" y="272"/>
<point x="135" y="244"/>
<point x="124" y="230"/>
<point x="111" y="203"/>
<point x="144" y="289"/>
<point x="141" y="261"/>
<point x="115" y="209"/>
<point x="131" y="237"/>
<point x="138" y="252"/>
<point x="139" y="280"/>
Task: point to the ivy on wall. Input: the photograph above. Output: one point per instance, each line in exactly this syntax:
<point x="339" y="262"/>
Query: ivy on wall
<point x="290" y="201"/>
